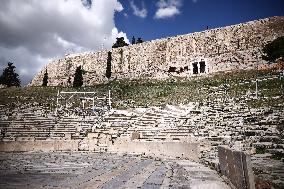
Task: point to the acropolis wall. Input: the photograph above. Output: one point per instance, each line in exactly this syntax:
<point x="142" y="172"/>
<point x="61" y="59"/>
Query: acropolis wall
<point x="222" y="49"/>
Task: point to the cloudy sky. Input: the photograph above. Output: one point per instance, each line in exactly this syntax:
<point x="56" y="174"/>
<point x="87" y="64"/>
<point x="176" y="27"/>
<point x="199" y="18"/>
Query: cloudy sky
<point x="34" y="32"/>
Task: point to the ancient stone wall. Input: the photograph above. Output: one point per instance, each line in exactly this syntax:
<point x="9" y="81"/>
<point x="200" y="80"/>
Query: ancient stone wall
<point x="171" y="149"/>
<point x="236" y="165"/>
<point x="39" y="145"/>
<point x="222" y="49"/>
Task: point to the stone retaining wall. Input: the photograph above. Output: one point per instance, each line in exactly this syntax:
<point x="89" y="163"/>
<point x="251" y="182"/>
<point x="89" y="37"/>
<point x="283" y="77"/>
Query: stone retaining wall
<point x="26" y="146"/>
<point x="223" y="49"/>
<point x="155" y="149"/>
<point x="158" y="149"/>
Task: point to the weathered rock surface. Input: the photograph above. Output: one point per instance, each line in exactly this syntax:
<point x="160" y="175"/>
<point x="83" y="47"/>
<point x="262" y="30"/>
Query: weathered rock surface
<point x="223" y="49"/>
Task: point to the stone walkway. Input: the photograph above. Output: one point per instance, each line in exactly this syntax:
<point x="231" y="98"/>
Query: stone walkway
<point x="90" y="170"/>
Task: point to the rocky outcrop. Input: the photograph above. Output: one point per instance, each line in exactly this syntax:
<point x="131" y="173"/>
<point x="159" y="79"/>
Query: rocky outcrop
<point x="221" y="49"/>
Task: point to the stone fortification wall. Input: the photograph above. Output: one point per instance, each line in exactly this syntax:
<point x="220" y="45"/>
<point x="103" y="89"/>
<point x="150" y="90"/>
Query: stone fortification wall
<point x="222" y="49"/>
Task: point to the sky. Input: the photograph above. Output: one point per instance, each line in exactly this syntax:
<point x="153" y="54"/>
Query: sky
<point x="35" y="32"/>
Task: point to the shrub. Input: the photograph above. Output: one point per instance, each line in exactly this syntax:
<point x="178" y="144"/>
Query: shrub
<point x="274" y="50"/>
<point x="9" y="76"/>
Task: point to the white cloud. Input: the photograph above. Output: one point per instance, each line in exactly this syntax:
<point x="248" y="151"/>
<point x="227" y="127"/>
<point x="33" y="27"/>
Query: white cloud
<point x="166" y="12"/>
<point x="116" y="34"/>
<point x="167" y="8"/>
<point x="142" y="13"/>
<point x="34" y="32"/>
<point x="26" y="63"/>
<point x="125" y="15"/>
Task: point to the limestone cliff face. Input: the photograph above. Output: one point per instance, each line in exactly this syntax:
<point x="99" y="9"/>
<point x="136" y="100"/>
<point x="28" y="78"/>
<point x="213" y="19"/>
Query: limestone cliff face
<point x="223" y="49"/>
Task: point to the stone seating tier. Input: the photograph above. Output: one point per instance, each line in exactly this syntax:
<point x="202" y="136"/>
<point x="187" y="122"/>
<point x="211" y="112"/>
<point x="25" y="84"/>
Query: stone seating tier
<point x="217" y="122"/>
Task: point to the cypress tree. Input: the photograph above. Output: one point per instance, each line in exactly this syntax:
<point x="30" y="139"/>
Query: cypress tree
<point x="108" y="68"/>
<point x="78" y="77"/>
<point x="133" y="40"/>
<point x="45" y="79"/>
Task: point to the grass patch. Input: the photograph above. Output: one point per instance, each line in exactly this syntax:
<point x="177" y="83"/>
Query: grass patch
<point x="260" y="150"/>
<point x="277" y="156"/>
<point x="145" y="93"/>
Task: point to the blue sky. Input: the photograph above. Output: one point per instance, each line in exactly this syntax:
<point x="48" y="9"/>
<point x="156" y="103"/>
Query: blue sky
<point x="193" y="16"/>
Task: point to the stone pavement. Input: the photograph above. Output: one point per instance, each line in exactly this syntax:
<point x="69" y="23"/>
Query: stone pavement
<point x="103" y="170"/>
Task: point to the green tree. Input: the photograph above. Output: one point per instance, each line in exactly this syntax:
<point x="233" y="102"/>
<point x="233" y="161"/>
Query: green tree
<point x="274" y="50"/>
<point x="133" y="40"/>
<point x="78" y="77"/>
<point x="45" y="79"/>
<point x="119" y="42"/>
<point x="69" y="81"/>
<point x="139" y="40"/>
<point x="9" y="77"/>
<point x="108" y="68"/>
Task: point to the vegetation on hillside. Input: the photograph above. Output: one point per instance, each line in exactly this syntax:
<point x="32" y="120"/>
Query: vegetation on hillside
<point x="78" y="77"/>
<point x="139" y="40"/>
<point x="108" y="67"/>
<point x="274" y="50"/>
<point x="145" y="93"/>
<point x="9" y="77"/>
<point x="45" y="79"/>
<point x="119" y="42"/>
<point x="133" y="41"/>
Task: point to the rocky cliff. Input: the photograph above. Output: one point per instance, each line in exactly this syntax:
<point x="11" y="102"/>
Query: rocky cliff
<point x="210" y="51"/>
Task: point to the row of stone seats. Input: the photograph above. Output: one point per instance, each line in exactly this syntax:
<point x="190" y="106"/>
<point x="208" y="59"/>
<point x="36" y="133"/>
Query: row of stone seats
<point x="36" y="123"/>
<point x="118" y="122"/>
<point x="26" y="123"/>
<point x="217" y="121"/>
